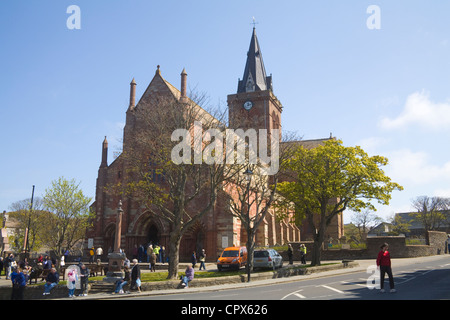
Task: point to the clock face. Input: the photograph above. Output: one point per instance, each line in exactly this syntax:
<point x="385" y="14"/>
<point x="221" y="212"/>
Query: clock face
<point x="248" y="105"/>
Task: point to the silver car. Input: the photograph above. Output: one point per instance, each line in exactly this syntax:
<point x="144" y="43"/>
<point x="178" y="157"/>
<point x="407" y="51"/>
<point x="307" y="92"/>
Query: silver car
<point x="267" y="258"/>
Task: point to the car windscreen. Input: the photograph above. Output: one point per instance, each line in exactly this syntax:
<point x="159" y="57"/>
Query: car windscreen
<point x="261" y="254"/>
<point x="230" y="253"/>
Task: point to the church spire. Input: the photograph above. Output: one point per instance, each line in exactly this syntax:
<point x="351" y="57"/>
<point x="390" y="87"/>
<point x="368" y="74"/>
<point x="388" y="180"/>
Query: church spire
<point x="254" y="78"/>
<point x="104" y="154"/>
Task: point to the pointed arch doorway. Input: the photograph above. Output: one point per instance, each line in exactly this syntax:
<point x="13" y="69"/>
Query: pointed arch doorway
<point x="153" y="235"/>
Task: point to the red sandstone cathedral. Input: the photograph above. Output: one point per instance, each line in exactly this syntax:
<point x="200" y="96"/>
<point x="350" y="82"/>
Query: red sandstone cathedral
<point x="255" y="100"/>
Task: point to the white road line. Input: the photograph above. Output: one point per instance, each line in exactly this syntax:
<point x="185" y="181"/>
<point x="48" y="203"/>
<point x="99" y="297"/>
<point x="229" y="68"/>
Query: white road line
<point x="299" y="295"/>
<point x="295" y="293"/>
<point x="274" y="290"/>
<point x="355" y="284"/>
<point x="336" y="290"/>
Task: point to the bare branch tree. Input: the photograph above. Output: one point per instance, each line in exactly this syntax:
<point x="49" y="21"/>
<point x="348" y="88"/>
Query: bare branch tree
<point x="430" y="211"/>
<point x="176" y="180"/>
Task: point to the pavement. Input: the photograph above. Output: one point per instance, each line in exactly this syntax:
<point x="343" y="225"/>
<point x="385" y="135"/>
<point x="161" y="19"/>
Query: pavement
<point x="362" y="266"/>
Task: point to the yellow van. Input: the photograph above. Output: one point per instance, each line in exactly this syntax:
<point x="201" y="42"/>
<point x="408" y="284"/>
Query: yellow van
<point x="232" y="258"/>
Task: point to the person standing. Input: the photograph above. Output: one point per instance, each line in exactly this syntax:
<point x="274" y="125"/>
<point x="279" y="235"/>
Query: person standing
<point x="152" y="262"/>
<point x="202" y="258"/>
<point x="19" y="282"/>
<point x="156" y="250"/>
<point x="1" y="265"/>
<point x="9" y="263"/>
<point x="99" y="253"/>
<point x="72" y="278"/>
<point x="84" y="279"/>
<point x="303" y="253"/>
<point x="447" y="247"/>
<point x="384" y="264"/>
<point x="136" y="276"/>
<point x="193" y="259"/>
<point x="162" y="254"/>
<point x="290" y="253"/>
<point x="91" y="255"/>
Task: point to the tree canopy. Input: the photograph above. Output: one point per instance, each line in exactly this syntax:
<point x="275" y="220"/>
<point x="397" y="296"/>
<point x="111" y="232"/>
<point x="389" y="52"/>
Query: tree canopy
<point x="326" y="180"/>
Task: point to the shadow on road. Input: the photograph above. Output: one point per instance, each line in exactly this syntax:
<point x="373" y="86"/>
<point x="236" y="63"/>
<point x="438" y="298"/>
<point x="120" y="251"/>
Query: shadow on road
<point x="416" y="285"/>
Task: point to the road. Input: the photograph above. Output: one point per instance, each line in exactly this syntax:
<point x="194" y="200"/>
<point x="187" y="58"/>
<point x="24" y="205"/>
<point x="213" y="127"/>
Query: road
<point x="427" y="280"/>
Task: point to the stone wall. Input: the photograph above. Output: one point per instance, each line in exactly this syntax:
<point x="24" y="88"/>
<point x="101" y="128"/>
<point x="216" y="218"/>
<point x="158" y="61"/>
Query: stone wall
<point x="397" y="248"/>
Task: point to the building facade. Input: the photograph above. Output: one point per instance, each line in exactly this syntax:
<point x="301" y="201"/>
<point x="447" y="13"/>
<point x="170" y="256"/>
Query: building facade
<point x="254" y="105"/>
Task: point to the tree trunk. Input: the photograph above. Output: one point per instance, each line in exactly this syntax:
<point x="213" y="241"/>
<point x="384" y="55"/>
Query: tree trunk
<point x="250" y="249"/>
<point x="318" y="236"/>
<point x="316" y="253"/>
<point x="174" y="256"/>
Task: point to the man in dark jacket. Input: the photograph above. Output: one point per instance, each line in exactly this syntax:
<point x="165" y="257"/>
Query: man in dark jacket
<point x="84" y="276"/>
<point x="51" y="281"/>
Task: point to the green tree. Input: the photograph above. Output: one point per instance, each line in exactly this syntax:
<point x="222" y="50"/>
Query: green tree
<point x="35" y="219"/>
<point x="70" y="215"/>
<point x="399" y="225"/>
<point x="326" y="180"/>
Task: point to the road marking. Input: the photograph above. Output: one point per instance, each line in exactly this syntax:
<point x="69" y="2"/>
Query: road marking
<point x="295" y="293"/>
<point x="273" y="290"/>
<point x="225" y="295"/>
<point x="355" y="284"/>
<point x="336" y="290"/>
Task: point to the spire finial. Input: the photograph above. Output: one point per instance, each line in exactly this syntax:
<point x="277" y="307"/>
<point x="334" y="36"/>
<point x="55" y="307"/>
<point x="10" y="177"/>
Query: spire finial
<point x="254" y="23"/>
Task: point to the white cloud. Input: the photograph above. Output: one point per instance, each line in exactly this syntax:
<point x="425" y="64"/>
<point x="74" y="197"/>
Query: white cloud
<point x="420" y="111"/>
<point x="372" y="144"/>
<point x="442" y="193"/>
<point x="408" y="167"/>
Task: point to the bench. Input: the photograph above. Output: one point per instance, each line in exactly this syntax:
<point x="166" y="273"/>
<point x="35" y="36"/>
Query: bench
<point x="94" y="269"/>
<point x="38" y="273"/>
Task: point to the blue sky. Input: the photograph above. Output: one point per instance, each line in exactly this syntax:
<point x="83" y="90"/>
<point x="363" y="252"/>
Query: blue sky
<point x="62" y="90"/>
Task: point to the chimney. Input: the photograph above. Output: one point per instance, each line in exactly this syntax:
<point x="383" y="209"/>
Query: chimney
<point x="183" y="85"/>
<point x="132" y="94"/>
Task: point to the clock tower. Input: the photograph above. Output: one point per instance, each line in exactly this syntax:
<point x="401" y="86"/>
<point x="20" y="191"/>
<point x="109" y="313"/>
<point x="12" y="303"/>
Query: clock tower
<point x="254" y="105"/>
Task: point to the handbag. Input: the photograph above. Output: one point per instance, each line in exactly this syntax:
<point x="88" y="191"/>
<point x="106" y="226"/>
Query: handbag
<point x="138" y="282"/>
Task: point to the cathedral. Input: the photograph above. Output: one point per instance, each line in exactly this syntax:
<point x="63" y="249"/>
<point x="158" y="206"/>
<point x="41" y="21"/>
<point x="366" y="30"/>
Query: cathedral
<point x="253" y="105"/>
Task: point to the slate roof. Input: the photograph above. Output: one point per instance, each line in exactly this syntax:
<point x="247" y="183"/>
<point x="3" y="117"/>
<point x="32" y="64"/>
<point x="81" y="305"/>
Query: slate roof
<point x="254" y="69"/>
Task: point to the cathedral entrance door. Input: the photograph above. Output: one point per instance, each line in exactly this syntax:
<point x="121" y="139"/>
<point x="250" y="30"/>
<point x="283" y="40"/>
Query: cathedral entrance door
<point x="153" y="236"/>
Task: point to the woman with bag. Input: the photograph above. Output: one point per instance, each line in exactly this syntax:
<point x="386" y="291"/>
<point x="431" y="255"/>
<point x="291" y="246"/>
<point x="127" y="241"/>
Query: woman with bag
<point x="136" y="276"/>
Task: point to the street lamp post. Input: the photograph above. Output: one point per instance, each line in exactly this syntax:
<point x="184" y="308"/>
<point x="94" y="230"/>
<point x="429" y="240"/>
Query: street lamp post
<point x="26" y="245"/>
<point x="248" y="176"/>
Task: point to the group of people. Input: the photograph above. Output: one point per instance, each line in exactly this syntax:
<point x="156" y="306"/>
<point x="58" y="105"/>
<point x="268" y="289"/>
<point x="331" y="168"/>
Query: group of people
<point x="302" y="250"/>
<point x="77" y="276"/>
<point x="201" y="258"/>
<point x="95" y="254"/>
<point x="154" y="254"/>
<point x="19" y="274"/>
<point x="147" y="253"/>
<point x="132" y="276"/>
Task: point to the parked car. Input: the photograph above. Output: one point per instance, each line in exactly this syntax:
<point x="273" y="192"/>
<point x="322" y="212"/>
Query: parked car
<point x="267" y="258"/>
<point x="232" y="258"/>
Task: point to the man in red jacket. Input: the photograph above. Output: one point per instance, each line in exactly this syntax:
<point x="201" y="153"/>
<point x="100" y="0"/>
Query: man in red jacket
<point x="384" y="263"/>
